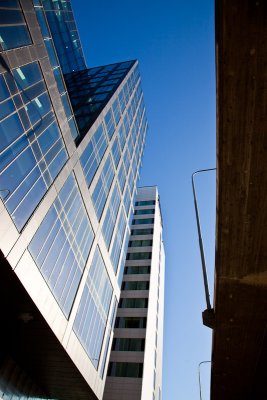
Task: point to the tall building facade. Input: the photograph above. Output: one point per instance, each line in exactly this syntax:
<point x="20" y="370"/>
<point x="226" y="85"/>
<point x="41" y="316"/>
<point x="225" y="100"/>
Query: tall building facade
<point x="135" y="367"/>
<point x="72" y="141"/>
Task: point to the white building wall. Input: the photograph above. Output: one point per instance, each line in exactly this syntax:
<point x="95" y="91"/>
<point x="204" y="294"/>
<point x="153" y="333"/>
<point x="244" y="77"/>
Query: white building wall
<point x="154" y="331"/>
<point x="150" y="385"/>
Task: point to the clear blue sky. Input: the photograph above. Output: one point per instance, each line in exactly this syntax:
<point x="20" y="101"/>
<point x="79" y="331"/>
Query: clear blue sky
<point x="174" y="43"/>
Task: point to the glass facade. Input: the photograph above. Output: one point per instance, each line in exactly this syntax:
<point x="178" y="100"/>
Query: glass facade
<point x="93" y="154"/>
<point x="13" y="29"/>
<point x="61" y="245"/>
<point x="126" y="137"/>
<point x="111" y="216"/>
<point x="91" y="89"/>
<point x="118" y="240"/>
<point x="102" y="188"/>
<point x="54" y="57"/>
<point x="60" y="196"/>
<point x="66" y="39"/>
<point x="91" y="318"/>
<point x="110" y="327"/>
<point x="32" y="151"/>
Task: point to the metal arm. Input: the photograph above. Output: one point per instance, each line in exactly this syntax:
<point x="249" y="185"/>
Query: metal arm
<point x="203" y="262"/>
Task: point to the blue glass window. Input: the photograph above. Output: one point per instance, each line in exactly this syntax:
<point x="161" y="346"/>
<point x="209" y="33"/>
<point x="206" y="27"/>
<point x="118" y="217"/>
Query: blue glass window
<point x="93" y="154"/>
<point x="6" y="108"/>
<point x="111" y="215"/>
<point x="66" y="105"/>
<point x="92" y="314"/>
<point x="122" y="137"/>
<point x="130" y="145"/>
<point x="65" y="36"/>
<point x="116" y="111"/>
<point x="126" y="93"/>
<point x="126" y="125"/>
<point x="131" y="181"/>
<point x="130" y="114"/>
<point x="123" y="257"/>
<point x="30" y="158"/>
<point x="13" y="29"/>
<point x="122" y="177"/>
<point x="126" y="161"/>
<point x="122" y="101"/>
<point x="73" y="128"/>
<point x="116" y="152"/>
<point x="42" y="22"/>
<point x="127" y="200"/>
<point x="118" y="240"/>
<point x="4" y="93"/>
<point x="134" y="165"/>
<point x="51" y="52"/>
<point x="61" y="245"/>
<point x="101" y="190"/>
<point x="111" y="322"/>
<point x="27" y="75"/>
<point x="10" y="129"/>
<point x="38" y="108"/>
<point x="109" y="122"/>
<point x="59" y="79"/>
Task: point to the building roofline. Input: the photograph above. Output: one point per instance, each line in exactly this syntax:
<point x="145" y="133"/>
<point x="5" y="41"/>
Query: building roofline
<point x="114" y="63"/>
<point x="147" y="186"/>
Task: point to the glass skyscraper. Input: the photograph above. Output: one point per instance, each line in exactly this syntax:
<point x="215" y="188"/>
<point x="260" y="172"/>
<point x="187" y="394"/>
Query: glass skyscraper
<point x="72" y="141"/>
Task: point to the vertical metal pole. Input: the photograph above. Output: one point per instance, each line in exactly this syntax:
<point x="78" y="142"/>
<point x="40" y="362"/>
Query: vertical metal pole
<point x="203" y="262"/>
<point x="199" y="380"/>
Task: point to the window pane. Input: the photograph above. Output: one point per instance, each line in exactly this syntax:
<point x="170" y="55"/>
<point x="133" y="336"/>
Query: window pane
<point x="143" y="212"/>
<point x="91" y="318"/>
<point x="109" y="124"/>
<point x="27" y="75"/>
<point x="58" y="247"/>
<point x="4" y="93"/>
<point x="10" y="129"/>
<point x="140" y="243"/>
<point x="93" y="154"/>
<point x="135" y="285"/>
<point x="143" y="269"/>
<point x="130" y="370"/>
<point x="145" y="203"/>
<point x="133" y="303"/>
<point x="143" y="221"/>
<point x="124" y="344"/>
<point x="14" y="36"/>
<point x="139" y="256"/>
<point x="131" y="322"/>
<point x="148" y="231"/>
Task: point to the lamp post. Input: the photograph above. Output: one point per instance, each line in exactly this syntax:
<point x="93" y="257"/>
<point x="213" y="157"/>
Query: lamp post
<point x="208" y="315"/>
